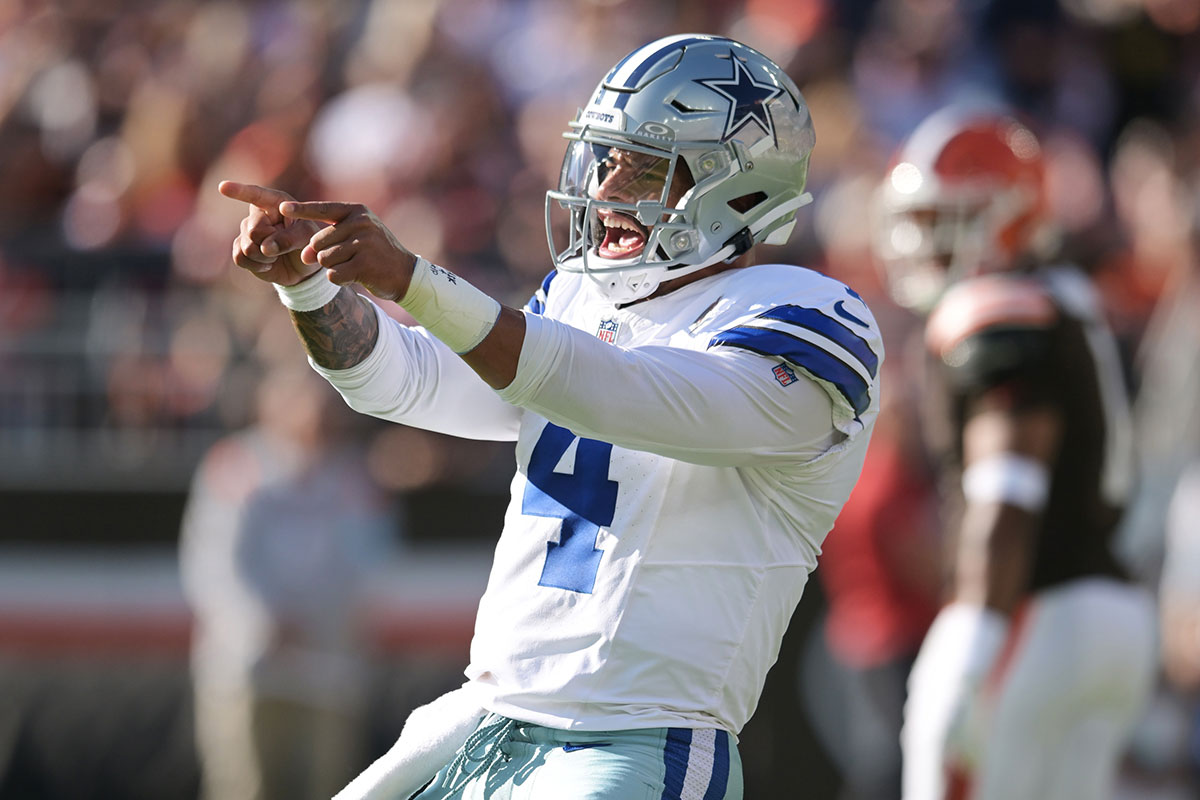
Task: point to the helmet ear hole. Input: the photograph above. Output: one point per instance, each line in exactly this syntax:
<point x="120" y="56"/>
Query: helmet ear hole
<point x="747" y="201"/>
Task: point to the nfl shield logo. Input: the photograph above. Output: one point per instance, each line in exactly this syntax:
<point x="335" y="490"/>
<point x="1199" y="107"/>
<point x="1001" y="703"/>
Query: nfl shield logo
<point x="607" y="332"/>
<point x="784" y="374"/>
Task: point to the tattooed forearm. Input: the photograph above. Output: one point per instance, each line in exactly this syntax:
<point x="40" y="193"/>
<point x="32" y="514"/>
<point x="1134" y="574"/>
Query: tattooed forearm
<point x="342" y="333"/>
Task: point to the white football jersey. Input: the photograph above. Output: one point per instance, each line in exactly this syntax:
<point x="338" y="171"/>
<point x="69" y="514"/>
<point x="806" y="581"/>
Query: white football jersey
<point x="679" y="462"/>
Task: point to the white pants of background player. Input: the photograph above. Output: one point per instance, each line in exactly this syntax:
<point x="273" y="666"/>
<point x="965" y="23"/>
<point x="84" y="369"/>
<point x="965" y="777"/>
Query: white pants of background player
<point x="1053" y="717"/>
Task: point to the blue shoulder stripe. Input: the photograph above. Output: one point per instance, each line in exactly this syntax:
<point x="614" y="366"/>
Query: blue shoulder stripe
<point x="537" y="302"/>
<point x="805" y="355"/>
<point x="814" y="320"/>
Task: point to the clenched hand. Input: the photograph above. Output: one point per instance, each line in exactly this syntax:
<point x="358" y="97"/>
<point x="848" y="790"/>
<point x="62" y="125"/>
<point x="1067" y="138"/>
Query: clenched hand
<point x="355" y="246"/>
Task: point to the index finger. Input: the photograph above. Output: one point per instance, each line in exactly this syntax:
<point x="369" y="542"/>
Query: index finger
<point x="318" y="210"/>
<point x="262" y="197"/>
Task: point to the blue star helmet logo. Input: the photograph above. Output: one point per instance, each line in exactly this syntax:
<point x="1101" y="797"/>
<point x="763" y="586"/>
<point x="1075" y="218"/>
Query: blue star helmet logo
<point x="747" y="99"/>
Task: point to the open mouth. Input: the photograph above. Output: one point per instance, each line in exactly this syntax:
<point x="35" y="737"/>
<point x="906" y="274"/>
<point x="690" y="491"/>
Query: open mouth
<point x="624" y="236"/>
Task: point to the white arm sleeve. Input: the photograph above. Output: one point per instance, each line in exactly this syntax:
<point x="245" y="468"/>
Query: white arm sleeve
<point x="1181" y="564"/>
<point x="720" y="408"/>
<point x="944" y="718"/>
<point x="412" y="378"/>
<point x="431" y="736"/>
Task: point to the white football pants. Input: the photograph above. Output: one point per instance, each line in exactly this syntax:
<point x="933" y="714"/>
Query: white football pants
<point x="1079" y="668"/>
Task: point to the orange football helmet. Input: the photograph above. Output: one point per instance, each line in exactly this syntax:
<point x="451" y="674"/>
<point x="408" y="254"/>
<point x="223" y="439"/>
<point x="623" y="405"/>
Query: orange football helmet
<point x="964" y="195"/>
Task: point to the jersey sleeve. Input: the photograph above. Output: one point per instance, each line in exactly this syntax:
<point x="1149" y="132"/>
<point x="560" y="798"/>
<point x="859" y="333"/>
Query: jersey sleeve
<point x="834" y="343"/>
<point x="412" y="378"/>
<point x="993" y="331"/>
<point x="720" y="407"/>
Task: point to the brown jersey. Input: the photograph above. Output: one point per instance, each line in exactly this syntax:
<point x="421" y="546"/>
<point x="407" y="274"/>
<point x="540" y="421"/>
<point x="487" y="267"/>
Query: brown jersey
<point x="1038" y="340"/>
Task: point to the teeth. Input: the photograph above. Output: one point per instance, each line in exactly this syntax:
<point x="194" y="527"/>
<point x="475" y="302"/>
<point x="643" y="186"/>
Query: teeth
<point x="620" y="221"/>
<point x="623" y="236"/>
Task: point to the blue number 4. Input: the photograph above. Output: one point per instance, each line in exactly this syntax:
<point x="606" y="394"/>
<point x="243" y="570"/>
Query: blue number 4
<point x="584" y="500"/>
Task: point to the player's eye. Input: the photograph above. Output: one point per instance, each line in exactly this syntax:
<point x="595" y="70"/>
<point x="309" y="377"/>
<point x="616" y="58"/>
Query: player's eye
<point x="604" y="162"/>
<point x="603" y="168"/>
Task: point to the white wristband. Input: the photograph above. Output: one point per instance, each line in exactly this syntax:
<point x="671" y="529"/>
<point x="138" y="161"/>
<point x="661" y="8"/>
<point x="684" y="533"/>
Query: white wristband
<point x="1008" y="478"/>
<point x="312" y="293"/>
<point x="449" y="307"/>
<point x="974" y="634"/>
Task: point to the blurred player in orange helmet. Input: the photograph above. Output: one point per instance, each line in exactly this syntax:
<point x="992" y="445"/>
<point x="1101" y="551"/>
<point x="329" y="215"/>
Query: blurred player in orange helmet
<point x="1035" y="669"/>
<point x="964" y="196"/>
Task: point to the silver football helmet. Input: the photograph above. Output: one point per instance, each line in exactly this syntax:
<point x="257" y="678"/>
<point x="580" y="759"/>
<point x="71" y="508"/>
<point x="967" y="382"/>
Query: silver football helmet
<point x="691" y="150"/>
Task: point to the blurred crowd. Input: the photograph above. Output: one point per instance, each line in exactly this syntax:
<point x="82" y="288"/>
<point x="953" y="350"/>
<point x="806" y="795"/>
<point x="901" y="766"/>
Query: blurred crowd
<point x="126" y="328"/>
<point x="128" y="339"/>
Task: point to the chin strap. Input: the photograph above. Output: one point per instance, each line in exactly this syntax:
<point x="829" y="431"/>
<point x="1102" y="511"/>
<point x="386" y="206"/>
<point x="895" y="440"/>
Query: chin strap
<point x="741" y="241"/>
<point x="615" y="286"/>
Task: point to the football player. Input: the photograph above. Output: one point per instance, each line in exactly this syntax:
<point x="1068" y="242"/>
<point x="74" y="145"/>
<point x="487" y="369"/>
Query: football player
<point x="1033" y="673"/>
<point x="687" y="428"/>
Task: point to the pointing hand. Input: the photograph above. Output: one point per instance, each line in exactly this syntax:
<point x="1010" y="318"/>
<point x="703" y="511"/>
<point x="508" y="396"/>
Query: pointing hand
<point x="269" y="244"/>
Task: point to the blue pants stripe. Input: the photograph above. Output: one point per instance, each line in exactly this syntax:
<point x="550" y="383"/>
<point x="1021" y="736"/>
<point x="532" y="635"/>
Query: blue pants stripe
<point x="719" y="781"/>
<point x="675" y="756"/>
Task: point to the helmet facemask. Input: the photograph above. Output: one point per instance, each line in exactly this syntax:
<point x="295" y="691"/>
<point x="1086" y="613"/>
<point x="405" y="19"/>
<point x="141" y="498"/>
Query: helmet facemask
<point x="928" y="246"/>
<point x="964" y="197"/>
<point x="630" y="225"/>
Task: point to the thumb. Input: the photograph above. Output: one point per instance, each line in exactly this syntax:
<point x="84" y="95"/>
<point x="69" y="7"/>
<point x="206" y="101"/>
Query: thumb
<point x="289" y="239"/>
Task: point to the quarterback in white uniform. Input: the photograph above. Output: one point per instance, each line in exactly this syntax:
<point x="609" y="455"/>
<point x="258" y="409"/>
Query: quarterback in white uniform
<point x="688" y="427"/>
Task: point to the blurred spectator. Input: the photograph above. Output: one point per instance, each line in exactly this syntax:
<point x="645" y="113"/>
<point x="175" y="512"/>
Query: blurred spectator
<point x="1166" y="415"/>
<point x="881" y="575"/>
<point x="1154" y="210"/>
<point x="915" y="57"/>
<point x="1180" y="609"/>
<point x="880" y="565"/>
<point x="281" y="528"/>
<point x="1181" y="585"/>
<point x="1160" y="535"/>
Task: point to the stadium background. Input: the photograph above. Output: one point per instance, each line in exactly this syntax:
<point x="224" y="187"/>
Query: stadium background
<point x="129" y="343"/>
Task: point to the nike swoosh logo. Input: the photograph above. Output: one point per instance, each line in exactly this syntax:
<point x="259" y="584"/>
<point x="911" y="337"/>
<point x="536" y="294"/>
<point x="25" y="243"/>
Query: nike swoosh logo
<point x="571" y="748"/>
<point x="840" y="309"/>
